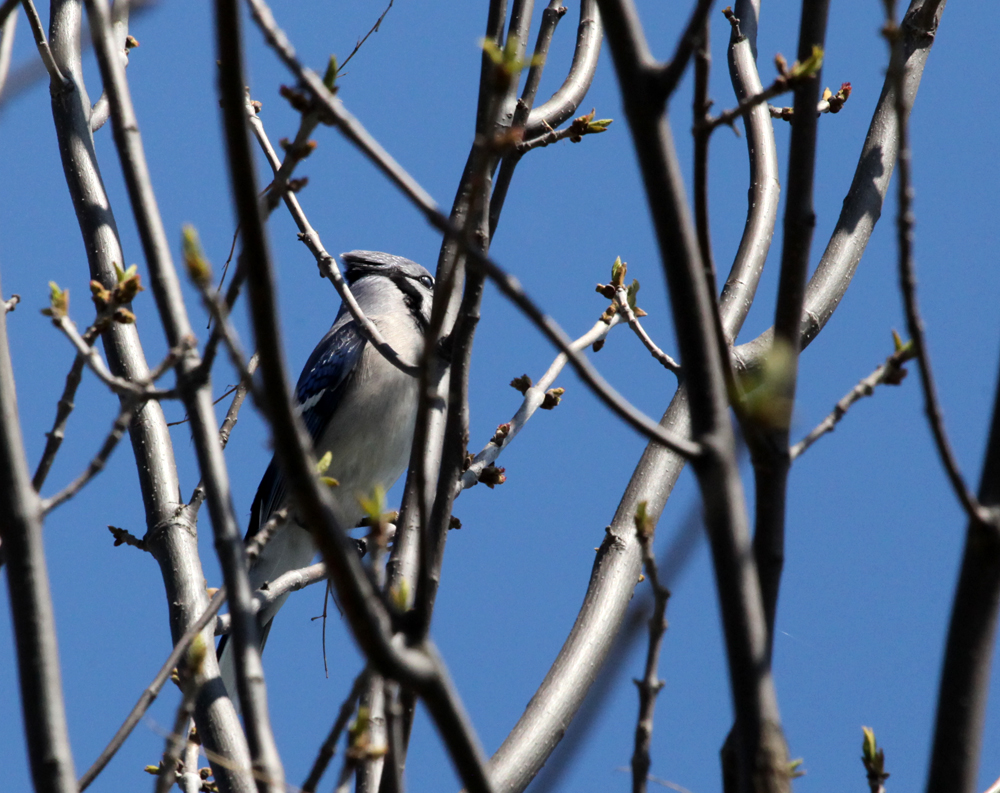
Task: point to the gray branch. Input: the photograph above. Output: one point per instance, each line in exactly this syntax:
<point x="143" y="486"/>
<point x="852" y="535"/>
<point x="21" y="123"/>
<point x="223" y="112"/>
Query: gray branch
<point x="46" y="733"/>
<point x="197" y="400"/>
<point x="370" y="622"/>
<point x="170" y="533"/>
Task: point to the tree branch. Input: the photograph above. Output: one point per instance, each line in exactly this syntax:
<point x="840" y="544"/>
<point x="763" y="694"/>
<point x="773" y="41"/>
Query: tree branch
<point x="170" y="537"/>
<point x="908" y="284"/>
<point x="46" y="733"/>
<point x="769" y="442"/>
<point x="650" y="684"/>
<point x="364" y="610"/>
<point x="59" y="82"/>
<point x="152" y="691"/>
<point x="197" y="401"/>
<point x="327" y="264"/>
<point x="329" y="747"/>
<point x="356" y="133"/>
<point x="564" y="102"/>
<point x="891" y="373"/>
<point x="534" y="396"/>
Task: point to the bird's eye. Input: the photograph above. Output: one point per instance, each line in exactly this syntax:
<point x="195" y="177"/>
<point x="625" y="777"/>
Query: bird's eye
<point x="427" y="281"/>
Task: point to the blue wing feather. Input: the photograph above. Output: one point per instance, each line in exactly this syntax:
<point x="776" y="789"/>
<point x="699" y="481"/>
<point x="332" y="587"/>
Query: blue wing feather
<point x="319" y="390"/>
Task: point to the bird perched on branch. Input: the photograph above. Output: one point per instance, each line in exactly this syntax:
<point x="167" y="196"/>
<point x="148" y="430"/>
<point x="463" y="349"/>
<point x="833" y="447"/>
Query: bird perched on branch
<point x="357" y="406"/>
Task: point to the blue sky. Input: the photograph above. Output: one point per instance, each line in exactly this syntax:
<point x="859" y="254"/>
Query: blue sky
<point x="874" y="533"/>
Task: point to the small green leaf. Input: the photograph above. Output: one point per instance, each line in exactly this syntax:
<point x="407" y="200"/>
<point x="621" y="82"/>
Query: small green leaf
<point x="199" y="270"/>
<point x="330" y="78"/>
<point x="324" y="462"/>
<point x="810" y="65"/>
<point x="374" y="504"/>
<point x="618" y="270"/>
<point x="58" y="302"/>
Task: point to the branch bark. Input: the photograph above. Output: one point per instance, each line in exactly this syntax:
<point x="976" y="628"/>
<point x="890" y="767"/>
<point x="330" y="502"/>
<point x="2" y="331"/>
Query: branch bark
<point x="46" y="733"/>
<point x="170" y="536"/>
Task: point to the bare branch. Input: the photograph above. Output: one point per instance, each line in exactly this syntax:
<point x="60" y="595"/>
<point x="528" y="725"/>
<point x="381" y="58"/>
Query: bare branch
<point x="361" y="41"/>
<point x="769" y="442"/>
<point x="101" y="110"/>
<point x="621" y="300"/>
<point x="152" y="691"/>
<point x="510" y="287"/>
<point x="327" y="264"/>
<point x="567" y="99"/>
<point x="891" y="372"/>
<point x="695" y="35"/>
<point x="58" y="432"/>
<point x="908" y="285"/>
<point x="762" y="212"/>
<point x="97" y="464"/>
<point x="650" y="685"/>
<point x="700" y="105"/>
<point x="46" y="733"/>
<point x="55" y="74"/>
<point x="533" y="398"/>
<point x="11" y="304"/>
<point x="329" y="747"/>
<point x="119" y="385"/>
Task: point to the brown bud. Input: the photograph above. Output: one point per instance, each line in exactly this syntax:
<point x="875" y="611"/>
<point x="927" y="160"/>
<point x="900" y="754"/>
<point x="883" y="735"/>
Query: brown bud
<point x="552" y="398"/>
<point x="492" y="476"/>
<point x="522" y="383"/>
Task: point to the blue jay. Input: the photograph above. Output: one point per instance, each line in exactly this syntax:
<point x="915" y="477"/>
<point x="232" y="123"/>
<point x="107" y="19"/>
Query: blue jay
<point x="356" y="405"/>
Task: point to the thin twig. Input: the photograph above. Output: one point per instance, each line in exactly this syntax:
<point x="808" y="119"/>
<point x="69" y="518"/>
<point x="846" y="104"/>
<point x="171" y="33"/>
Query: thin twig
<point x="327" y="264"/>
<point x="329" y="747"/>
<point x="650" y="685"/>
<point x="584" y="125"/>
<point x="153" y="689"/>
<point x="55" y="74"/>
<point x="533" y="399"/>
<point x="119" y="385"/>
<point x="179" y="736"/>
<point x="292" y="581"/>
<point x="700" y="105"/>
<point x="263" y="536"/>
<point x="621" y="300"/>
<point x="58" y="432"/>
<point x="100" y="112"/>
<point x="694" y="35"/>
<point x="96" y="465"/>
<point x="511" y="288"/>
<point x="239" y="393"/>
<point x="360" y="44"/>
<point x="908" y="288"/>
<point x="891" y="372"/>
<point x="11" y="304"/>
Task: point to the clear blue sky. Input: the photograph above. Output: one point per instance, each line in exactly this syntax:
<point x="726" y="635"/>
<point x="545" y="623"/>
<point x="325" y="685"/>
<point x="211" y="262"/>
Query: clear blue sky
<point x="874" y="533"/>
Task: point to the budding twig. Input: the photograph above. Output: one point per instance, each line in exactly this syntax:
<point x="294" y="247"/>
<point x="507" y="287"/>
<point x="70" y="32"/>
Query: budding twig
<point x="890" y="373"/>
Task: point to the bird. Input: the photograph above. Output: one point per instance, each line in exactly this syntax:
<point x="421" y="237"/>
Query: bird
<point x="357" y="406"/>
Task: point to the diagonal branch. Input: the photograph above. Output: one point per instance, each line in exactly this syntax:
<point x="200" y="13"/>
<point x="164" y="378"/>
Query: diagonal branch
<point x="170" y="537"/>
<point x="46" y="733"/>
<point x="152" y="690"/>
<point x="327" y="264"/>
<point x="419" y="667"/>
<point x="197" y="400"/>
<point x="510" y="287"/>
